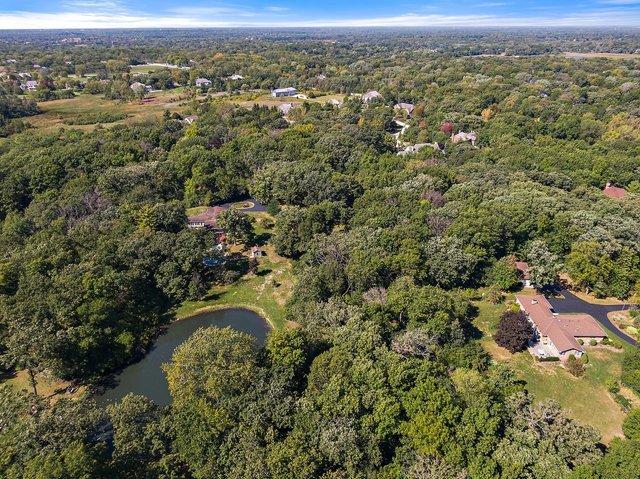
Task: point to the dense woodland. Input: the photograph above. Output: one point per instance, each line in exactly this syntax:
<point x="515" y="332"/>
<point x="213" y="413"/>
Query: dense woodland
<point x="385" y="378"/>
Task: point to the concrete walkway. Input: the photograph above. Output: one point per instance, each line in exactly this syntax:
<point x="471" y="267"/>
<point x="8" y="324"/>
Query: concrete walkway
<point x="572" y="304"/>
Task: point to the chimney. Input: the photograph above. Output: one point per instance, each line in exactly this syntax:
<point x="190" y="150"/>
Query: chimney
<point x="608" y="184"/>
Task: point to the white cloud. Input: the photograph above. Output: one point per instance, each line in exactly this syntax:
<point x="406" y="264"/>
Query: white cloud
<point x="277" y="9"/>
<point x="230" y="16"/>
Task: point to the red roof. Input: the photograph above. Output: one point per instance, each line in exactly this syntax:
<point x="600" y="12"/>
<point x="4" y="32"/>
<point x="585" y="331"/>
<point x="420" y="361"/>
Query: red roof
<point x="523" y="269"/>
<point x="561" y="329"/>
<point x="208" y="216"/>
<point x="614" y="191"/>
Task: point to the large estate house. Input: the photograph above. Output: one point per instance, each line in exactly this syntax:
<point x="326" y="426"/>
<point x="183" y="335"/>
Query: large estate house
<point x="558" y="335"/>
<point x="289" y="91"/>
<point x="206" y="219"/>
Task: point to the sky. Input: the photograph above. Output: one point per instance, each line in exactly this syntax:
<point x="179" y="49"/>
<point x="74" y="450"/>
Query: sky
<point x="77" y="14"/>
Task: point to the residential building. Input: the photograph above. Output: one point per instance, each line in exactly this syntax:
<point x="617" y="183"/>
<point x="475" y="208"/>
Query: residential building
<point x="203" y="82"/>
<point x="207" y="219"/>
<point x="462" y="136"/>
<point x="279" y="92"/>
<point x="614" y="192"/>
<point x="558" y="335"/>
<point x="236" y="77"/>
<point x="137" y="86"/>
<point x="29" y="85"/>
<point x="371" y="96"/>
<point x="408" y="107"/>
<point x="190" y="119"/>
<point x="523" y="273"/>
<point x="285" y="108"/>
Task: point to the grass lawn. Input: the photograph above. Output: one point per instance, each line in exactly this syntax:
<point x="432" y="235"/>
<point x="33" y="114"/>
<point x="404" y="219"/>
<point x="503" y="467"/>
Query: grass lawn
<point x="265" y="292"/>
<point x="153" y="106"/>
<point x="47" y="386"/>
<point x="586" y="399"/>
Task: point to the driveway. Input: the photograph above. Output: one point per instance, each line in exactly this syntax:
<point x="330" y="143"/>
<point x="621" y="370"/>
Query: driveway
<point x="257" y="207"/>
<point x="572" y="304"/>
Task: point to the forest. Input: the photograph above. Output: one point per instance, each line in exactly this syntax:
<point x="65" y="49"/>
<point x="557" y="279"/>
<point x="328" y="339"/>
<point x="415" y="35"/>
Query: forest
<point x="384" y="374"/>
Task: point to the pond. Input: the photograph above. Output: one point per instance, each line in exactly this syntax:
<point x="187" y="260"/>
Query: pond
<point x="146" y="377"/>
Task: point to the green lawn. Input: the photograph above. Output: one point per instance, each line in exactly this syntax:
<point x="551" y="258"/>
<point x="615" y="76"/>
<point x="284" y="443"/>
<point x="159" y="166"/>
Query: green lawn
<point x="265" y="292"/>
<point x="586" y="399"/>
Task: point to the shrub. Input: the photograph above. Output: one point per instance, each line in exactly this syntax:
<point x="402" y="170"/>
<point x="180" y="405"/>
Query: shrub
<point x="592" y="342"/>
<point x="574" y="366"/>
<point x="549" y="359"/>
<point x="606" y="341"/>
<point x="612" y="385"/>
<point x="631" y="370"/>
<point x="584" y="359"/>
<point x="514" y="331"/>
<point x="631" y="425"/>
<point x="581" y="341"/>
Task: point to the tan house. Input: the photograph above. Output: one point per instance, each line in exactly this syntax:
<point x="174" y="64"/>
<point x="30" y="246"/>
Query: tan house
<point x="559" y="335"/>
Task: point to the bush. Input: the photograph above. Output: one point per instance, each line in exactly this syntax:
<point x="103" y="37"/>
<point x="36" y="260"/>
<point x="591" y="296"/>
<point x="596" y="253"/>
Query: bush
<point x="612" y="385"/>
<point x="97" y="117"/>
<point x="606" y="341"/>
<point x="631" y="370"/>
<point x="514" y="331"/>
<point x="584" y="359"/>
<point x="631" y="425"/>
<point x="593" y="342"/>
<point x="575" y="366"/>
<point x="549" y="359"/>
<point x="580" y="342"/>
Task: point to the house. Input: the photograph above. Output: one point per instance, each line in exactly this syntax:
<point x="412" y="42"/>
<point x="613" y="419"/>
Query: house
<point x="285" y="108"/>
<point x="203" y="82"/>
<point x="236" y="77"/>
<point x="189" y="119"/>
<point x="558" y="335"/>
<point x="371" y="96"/>
<point x="207" y="219"/>
<point x="462" y="136"/>
<point x="137" y="86"/>
<point x="321" y="77"/>
<point x="289" y="91"/>
<point x="334" y="102"/>
<point x="614" y="192"/>
<point x="29" y="85"/>
<point x="256" y="252"/>
<point x="523" y="273"/>
<point x="408" y="107"/>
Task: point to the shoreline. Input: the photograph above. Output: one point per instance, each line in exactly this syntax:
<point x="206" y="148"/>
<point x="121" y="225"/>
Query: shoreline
<point x="217" y="307"/>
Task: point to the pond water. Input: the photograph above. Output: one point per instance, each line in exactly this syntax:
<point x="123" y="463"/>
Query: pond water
<point x="146" y="377"/>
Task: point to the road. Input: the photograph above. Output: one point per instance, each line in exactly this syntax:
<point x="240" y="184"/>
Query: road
<point x="572" y="304"/>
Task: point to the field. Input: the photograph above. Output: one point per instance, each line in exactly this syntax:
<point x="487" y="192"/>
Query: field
<point x="265" y="292"/>
<point x="48" y="387"/>
<point x="55" y="112"/>
<point x="586" y="398"/>
<point x="612" y="56"/>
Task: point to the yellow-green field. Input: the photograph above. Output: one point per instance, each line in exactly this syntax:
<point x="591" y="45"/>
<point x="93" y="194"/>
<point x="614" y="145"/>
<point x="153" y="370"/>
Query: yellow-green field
<point x="586" y="398"/>
<point x="56" y="111"/>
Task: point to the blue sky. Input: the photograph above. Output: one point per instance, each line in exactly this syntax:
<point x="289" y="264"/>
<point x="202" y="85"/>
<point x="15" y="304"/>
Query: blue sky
<point x="290" y="13"/>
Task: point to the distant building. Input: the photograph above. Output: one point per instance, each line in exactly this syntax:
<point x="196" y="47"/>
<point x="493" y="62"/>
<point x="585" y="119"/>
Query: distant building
<point x="29" y="85"/>
<point x="236" y="77"/>
<point x="203" y="82"/>
<point x="523" y="273"/>
<point x="408" y="107"/>
<point x="462" y="136"/>
<point x="321" y="77"/>
<point x="371" y="96"/>
<point x="613" y="191"/>
<point x="137" y="86"/>
<point x="558" y="335"/>
<point x="256" y="252"/>
<point x="190" y="119"/>
<point x="279" y="92"/>
<point x="334" y="102"/>
<point x="207" y="219"/>
<point x="285" y="108"/>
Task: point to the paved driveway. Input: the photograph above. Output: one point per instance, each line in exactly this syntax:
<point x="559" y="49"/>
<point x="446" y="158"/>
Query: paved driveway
<point x="572" y="304"/>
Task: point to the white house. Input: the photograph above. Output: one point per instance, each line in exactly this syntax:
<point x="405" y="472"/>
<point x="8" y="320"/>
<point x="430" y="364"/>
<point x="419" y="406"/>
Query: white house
<point x="371" y="96"/>
<point x="29" y="85"/>
<point x="289" y="91"/>
<point x="236" y="77"/>
<point x="203" y="82"/>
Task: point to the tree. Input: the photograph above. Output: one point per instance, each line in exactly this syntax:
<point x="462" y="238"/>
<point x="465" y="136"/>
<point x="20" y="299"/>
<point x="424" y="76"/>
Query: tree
<point x="237" y="226"/>
<point x="504" y="274"/>
<point x="514" y="331"/>
<point x="544" y="266"/>
<point x="631" y="425"/>
<point x="631" y="369"/>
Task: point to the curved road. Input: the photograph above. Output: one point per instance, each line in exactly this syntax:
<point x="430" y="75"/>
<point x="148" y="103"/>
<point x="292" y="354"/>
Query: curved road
<point x="572" y="304"/>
